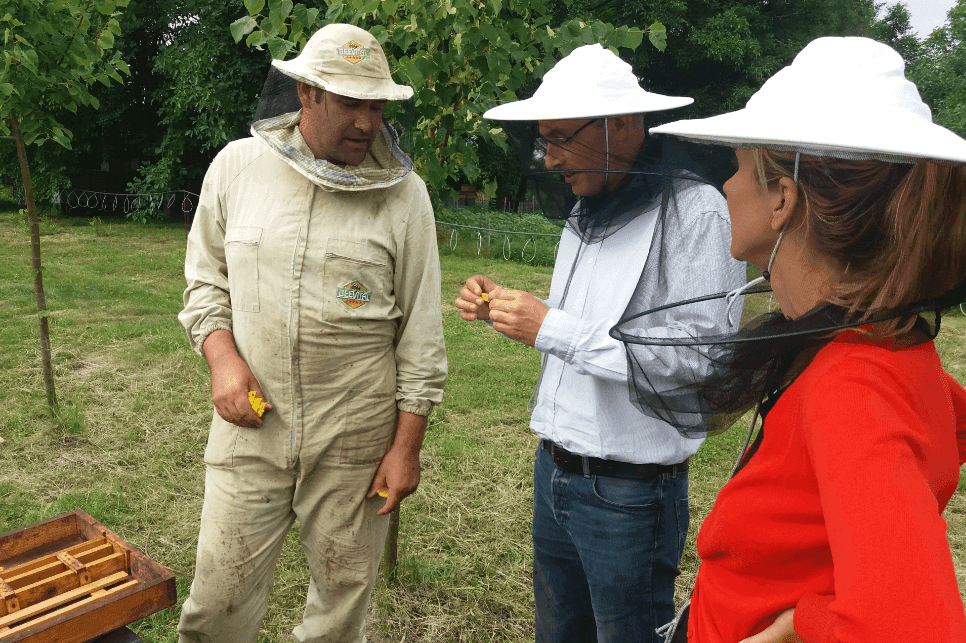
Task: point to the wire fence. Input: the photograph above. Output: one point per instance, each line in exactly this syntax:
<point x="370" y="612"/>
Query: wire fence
<point x="127" y="203"/>
<point x="528" y="252"/>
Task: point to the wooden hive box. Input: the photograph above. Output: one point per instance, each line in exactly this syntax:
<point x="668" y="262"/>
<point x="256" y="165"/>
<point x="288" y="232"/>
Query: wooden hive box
<point x="69" y="580"/>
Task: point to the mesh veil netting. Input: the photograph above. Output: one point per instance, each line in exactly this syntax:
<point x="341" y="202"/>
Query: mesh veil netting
<point x="659" y="180"/>
<point x="660" y="175"/>
<point x="751" y="362"/>
<point x="279" y="96"/>
<point x="656" y="176"/>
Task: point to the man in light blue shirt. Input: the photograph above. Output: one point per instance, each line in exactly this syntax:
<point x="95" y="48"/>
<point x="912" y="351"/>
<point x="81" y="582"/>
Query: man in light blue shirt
<point x="610" y="482"/>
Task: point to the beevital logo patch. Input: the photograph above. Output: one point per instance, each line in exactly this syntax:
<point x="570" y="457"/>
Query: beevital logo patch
<point x="353" y="52"/>
<point x="353" y="294"/>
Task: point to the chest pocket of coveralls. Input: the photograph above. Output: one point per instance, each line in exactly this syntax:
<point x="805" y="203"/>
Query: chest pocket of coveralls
<point x="241" y="254"/>
<point x="357" y="281"/>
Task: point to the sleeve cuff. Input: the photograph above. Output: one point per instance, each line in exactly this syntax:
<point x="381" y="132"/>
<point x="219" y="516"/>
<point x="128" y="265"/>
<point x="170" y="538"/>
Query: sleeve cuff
<point x="558" y="335"/>
<point x="813" y="620"/>
<point x="416" y="408"/>
<point x="208" y="329"/>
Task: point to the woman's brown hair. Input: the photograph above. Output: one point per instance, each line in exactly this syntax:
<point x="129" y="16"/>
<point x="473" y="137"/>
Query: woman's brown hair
<point x="897" y="231"/>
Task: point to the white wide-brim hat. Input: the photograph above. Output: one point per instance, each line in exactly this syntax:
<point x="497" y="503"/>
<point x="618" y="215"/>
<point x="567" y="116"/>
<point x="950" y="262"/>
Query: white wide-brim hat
<point x="840" y="97"/>
<point x="345" y="60"/>
<point x="592" y="81"/>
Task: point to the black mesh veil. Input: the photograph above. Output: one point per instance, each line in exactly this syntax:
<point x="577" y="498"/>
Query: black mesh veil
<point x="662" y="183"/>
<point x="656" y="174"/>
<point x="279" y="96"/>
<point x="753" y="359"/>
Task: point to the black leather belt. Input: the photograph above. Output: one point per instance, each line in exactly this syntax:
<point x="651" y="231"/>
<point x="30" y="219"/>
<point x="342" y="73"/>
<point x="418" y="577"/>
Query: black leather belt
<point x="584" y="465"/>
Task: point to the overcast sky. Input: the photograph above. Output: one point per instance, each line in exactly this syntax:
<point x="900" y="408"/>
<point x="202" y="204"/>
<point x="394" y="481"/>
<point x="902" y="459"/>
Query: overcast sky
<point x="927" y="15"/>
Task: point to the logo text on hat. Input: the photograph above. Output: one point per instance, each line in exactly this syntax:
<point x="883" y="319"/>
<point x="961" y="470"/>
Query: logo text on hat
<point x="353" y="51"/>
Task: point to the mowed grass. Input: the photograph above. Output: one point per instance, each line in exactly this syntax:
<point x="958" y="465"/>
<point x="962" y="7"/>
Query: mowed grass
<point x="127" y="445"/>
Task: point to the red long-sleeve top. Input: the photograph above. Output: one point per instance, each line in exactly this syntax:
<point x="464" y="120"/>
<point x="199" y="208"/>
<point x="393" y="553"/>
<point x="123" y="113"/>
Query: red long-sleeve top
<point x="838" y="513"/>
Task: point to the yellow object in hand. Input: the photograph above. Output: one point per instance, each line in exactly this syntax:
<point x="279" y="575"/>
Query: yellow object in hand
<point x="258" y="404"/>
<point x="383" y="492"/>
<point x="485" y="297"/>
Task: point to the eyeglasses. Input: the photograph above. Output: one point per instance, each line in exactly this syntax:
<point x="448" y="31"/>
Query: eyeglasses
<point x="543" y="142"/>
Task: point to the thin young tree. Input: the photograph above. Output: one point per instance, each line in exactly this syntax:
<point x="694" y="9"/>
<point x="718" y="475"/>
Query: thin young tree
<point x="53" y="51"/>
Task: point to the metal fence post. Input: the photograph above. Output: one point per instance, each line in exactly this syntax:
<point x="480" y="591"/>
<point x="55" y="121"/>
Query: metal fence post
<point x="391" y="550"/>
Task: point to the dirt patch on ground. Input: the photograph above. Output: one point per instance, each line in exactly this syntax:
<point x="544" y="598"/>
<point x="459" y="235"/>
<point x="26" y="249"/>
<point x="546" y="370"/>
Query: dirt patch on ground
<point x="86" y="366"/>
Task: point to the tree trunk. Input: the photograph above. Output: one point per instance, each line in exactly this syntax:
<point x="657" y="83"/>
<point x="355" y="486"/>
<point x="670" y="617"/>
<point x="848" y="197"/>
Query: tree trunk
<point x="34" y="221"/>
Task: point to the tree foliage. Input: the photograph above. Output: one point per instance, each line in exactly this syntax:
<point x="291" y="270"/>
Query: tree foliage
<point x="53" y="50"/>
<point x="894" y="28"/>
<point x="940" y="71"/>
<point x="204" y="94"/>
<point x="719" y="52"/>
<point x="460" y="56"/>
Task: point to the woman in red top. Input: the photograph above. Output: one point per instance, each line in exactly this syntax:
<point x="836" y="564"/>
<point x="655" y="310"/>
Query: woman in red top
<point x="851" y="200"/>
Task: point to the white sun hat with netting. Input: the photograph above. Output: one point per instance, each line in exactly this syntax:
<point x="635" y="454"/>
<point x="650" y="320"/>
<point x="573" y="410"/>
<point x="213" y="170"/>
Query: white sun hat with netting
<point x="590" y="81"/>
<point x="840" y="97"/>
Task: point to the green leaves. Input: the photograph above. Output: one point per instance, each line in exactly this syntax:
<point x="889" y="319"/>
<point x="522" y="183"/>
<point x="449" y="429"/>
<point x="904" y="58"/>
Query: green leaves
<point x="51" y="52"/>
<point x="657" y="35"/>
<point x="254" y="8"/>
<point x="243" y="26"/>
<point x="279" y="47"/>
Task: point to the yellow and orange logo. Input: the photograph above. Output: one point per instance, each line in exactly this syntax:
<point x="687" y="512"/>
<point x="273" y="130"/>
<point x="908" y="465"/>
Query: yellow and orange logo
<point x="353" y="52"/>
<point x="353" y="294"/>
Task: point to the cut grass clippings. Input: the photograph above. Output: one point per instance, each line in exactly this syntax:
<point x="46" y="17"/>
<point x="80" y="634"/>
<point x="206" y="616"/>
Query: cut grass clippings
<point x="127" y="443"/>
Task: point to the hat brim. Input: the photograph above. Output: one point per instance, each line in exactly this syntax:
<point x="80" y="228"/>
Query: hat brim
<point x="361" y="87"/>
<point x="913" y="138"/>
<point x="539" y="108"/>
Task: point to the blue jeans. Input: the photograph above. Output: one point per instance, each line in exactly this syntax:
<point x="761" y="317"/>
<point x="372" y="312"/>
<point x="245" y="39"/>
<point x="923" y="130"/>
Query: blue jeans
<point x="605" y="554"/>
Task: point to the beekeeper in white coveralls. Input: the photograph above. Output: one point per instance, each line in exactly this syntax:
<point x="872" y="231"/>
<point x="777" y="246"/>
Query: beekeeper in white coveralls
<point x="313" y="285"/>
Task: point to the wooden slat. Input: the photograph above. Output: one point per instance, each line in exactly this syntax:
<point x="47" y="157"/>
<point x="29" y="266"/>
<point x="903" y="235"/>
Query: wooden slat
<point x="108" y="565"/>
<point x="10" y="601"/>
<point x="34" y="575"/>
<point x="79" y="568"/>
<point x="51" y="616"/>
<point x="45" y="561"/>
<point x="97" y="619"/>
<point x="95" y="553"/>
<point x="67" y="581"/>
<point x="120" y="547"/>
<point x="57" y="566"/>
<point x="79" y="550"/>
<point x="61" y="599"/>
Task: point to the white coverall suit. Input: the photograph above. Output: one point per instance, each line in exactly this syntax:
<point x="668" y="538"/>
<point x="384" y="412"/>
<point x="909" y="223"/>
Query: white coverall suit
<point x="328" y="278"/>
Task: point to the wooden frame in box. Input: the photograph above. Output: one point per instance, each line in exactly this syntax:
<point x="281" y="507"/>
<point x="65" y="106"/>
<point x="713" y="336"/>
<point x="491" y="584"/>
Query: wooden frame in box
<point x="70" y="579"/>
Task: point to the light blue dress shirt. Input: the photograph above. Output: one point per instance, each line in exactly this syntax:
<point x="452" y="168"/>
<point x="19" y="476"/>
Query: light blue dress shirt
<point x="583" y="400"/>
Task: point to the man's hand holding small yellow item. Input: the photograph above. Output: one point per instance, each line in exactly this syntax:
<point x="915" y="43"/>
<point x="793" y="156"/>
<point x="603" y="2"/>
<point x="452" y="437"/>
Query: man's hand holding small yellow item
<point x="517" y="314"/>
<point x="474" y="298"/>
<point x="398" y="473"/>
<point x="233" y="385"/>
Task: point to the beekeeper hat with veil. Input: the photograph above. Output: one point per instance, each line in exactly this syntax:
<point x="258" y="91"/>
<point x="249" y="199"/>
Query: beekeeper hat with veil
<point x="841" y="98"/>
<point x="346" y="60"/>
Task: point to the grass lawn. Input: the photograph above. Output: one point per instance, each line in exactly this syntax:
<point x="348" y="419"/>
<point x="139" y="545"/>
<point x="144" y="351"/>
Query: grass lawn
<point x="127" y="445"/>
